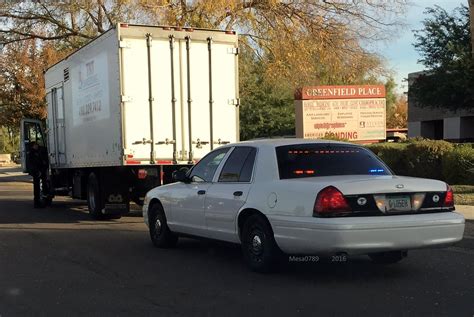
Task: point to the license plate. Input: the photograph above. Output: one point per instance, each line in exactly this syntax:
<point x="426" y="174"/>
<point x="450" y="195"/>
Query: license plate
<point x="399" y="203"/>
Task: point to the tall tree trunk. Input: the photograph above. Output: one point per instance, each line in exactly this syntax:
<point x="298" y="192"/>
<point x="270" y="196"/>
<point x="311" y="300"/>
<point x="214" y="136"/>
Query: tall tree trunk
<point x="471" y="23"/>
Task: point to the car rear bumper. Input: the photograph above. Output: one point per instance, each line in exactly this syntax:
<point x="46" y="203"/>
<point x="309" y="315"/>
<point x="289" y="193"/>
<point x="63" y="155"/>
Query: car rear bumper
<point x="362" y="235"/>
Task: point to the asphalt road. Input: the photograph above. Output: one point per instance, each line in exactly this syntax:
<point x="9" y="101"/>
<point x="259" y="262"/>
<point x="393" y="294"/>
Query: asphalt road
<point x="56" y="261"/>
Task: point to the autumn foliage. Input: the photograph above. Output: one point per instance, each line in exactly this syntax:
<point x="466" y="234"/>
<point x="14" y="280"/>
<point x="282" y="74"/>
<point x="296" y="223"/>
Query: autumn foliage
<point x="22" y="95"/>
<point x="290" y="44"/>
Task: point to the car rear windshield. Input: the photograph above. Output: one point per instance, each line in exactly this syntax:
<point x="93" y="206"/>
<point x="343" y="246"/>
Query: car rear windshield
<point x="311" y="160"/>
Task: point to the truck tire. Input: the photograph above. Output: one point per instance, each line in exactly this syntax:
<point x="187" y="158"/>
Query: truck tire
<point x="94" y="197"/>
<point x="45" y="197"/>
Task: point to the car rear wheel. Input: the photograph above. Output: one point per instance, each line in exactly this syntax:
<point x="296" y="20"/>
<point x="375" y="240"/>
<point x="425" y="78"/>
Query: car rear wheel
<point x="160" y="233"/>
<point x="259" y="248"/>
<point x="388" y="257"/>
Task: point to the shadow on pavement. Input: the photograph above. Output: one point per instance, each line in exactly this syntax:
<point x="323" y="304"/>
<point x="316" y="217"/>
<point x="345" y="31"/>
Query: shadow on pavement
<point x="22" y="211"/>
<point x="229" y="257"/>
<point x="18" y="179"/>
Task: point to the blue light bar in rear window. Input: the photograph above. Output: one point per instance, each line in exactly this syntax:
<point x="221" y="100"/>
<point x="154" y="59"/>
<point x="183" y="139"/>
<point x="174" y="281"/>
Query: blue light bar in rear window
<point x="376" y="170"/>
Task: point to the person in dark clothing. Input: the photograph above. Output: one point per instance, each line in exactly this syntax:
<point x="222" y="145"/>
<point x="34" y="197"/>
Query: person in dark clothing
<point x="38" y="167"/>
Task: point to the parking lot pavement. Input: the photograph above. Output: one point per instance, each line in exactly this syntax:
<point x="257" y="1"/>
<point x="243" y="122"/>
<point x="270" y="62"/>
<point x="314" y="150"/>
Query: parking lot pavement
<point x="56" y="261"/>
<point x="466" y="211"/>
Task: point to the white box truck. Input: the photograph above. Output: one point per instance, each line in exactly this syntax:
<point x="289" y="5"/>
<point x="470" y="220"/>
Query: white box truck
<point x="132" y="106"/>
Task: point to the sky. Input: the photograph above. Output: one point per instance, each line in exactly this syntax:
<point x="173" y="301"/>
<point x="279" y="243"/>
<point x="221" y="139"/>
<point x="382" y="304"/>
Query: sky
<point x="399" y="53"/>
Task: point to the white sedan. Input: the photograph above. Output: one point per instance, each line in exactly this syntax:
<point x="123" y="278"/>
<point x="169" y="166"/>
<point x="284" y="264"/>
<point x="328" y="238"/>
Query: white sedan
<point x="302" y="197"/>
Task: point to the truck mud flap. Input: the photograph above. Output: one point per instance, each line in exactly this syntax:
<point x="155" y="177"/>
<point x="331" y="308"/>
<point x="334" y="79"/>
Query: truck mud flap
<point x="116" y="209"/>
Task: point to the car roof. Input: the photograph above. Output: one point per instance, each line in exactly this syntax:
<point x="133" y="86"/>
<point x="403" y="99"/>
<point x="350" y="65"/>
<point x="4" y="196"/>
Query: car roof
<point x="283" y="142"/>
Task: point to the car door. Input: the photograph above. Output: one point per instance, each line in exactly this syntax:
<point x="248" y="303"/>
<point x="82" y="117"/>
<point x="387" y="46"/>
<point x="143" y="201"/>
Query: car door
<point x="187" y="203"/>
<point x="228" y="194"/>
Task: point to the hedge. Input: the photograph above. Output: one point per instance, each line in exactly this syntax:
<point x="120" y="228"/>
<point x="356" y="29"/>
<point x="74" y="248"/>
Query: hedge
<point x="393" y="154"/>
<point x="458" y="165"/>
<point x="430" y="159"/>
<point x="425" y="158"/>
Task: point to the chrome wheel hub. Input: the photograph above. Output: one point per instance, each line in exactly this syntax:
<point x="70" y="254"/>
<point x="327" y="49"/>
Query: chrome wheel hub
<point x="157" y="227"/>
<point x="257" y="246"/>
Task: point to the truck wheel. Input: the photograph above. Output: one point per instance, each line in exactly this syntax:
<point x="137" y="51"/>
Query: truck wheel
<point x="94" y="199"/>
<point x="387" y="257"/>
<point x="260" y="251"/>
<point x="160" y="233"/>
<point x="45" y="197"/>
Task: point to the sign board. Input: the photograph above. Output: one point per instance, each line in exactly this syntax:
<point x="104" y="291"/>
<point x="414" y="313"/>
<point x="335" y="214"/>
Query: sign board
<point x="356" y="113"/>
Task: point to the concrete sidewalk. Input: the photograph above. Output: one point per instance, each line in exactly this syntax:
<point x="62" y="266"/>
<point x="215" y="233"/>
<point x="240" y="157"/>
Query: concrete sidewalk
<point x="466" y="211"/>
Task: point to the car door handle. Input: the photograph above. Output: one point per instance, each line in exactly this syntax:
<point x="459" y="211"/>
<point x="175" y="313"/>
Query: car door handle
<point x="201" y="192"/>
<point x="238" y="193"/>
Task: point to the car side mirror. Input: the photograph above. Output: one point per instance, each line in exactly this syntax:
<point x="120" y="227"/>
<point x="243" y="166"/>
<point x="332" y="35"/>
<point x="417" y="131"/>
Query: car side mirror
<point x="181" y="175"/>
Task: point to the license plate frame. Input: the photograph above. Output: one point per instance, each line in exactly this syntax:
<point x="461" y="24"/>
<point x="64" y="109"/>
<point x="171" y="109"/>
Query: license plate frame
<point x="398" y="203"/>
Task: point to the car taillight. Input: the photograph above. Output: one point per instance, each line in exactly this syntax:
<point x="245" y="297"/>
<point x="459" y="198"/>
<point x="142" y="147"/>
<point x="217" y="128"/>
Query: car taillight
<point x="330" y="200"/>
<point x="449" y="198"/>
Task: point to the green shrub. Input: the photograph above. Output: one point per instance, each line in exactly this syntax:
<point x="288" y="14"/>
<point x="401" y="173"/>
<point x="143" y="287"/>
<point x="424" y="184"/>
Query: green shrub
<point x="393" y="154"/>
<point x="424" y="158"/>
<point x="458" y="165"/>
<point x="429" y="159"/>
<point x="416" y="157"/>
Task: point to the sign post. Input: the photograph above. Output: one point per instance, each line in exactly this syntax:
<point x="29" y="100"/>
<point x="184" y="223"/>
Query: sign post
<point x="355" y="113"/>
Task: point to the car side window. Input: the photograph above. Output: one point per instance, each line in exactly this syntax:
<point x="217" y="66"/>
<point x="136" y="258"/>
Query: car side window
<point x="205" y="169"/>
<point x="239" y="165"/>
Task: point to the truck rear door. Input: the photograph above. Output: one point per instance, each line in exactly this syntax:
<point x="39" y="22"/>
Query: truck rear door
<point x="179" y="96"/>
<point x="213" y="94"/>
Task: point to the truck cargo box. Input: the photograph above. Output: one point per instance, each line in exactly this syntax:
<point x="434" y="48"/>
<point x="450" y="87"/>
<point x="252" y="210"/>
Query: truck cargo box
<point x="141" y="95"/>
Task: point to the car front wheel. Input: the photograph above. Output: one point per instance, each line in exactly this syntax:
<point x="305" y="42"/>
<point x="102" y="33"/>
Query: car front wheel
<point x="160" y="233"/>
<point x="259" y="248"/>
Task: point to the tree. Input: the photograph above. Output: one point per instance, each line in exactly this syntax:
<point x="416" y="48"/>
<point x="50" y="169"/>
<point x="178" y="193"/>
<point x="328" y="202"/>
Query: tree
<point x="445" y="47"/>
<point x="265" y="111"/>
<point x="22" y="92"/>
<point x="396" y="106"/>
<point x="397" y="114"/>
<point x="471" y="18"/>
<point x="306" y="40"/>
<point x="390" y="93"/>
<point x="294" y="42"/>
<point x="72" y="23"/>
<point x="9" y="141"/>
<point x="298" y="42"/>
